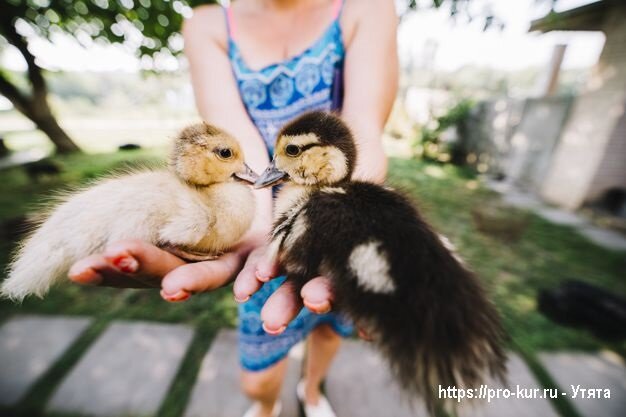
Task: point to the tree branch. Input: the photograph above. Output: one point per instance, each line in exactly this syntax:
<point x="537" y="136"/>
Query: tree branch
<point x="15" y="96"/>
<point x="7" y="28"/>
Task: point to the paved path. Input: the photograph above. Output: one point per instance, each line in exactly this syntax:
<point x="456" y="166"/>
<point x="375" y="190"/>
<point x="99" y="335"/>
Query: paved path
<point x="359" y="384"/>
<point x="29" y="345"/>
<point x="606" y="238"/>
<point x="518" y="375"/>
<point x="217" y="386"/>
<point x="603" y="371"/>
<point x="128" y="370"/>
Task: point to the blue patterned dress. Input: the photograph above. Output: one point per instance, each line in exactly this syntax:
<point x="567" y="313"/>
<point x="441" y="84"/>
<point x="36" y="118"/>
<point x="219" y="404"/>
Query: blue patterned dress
<point x="274" y="95"/>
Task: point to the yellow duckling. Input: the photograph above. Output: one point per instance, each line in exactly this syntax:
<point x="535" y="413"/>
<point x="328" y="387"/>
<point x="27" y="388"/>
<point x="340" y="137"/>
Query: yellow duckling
<point x="390" y="272"/>
<point x="196" y="209"/>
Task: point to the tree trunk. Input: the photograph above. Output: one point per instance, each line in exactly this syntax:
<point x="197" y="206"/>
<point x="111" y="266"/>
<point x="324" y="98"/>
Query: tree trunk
<point x="35" y="105"/>
<point x="48" y="125"/>
<point x="36" y="108"/>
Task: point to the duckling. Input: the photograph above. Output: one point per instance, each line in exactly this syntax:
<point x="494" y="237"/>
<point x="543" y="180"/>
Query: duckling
<point x="196" y="209"/>
<point x="390" y="272"/>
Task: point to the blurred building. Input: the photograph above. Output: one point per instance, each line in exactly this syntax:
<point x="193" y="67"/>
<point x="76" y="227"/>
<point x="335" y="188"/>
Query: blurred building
<point x="571" y="151"/>
<point x="589" y="160"/>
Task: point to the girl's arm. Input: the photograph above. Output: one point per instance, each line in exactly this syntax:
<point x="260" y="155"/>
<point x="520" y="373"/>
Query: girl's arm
<point x="217" y="96"/>
<point x="371" y="80"/>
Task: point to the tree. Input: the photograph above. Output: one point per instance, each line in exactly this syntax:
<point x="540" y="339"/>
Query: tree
<point x="151" y="26"/>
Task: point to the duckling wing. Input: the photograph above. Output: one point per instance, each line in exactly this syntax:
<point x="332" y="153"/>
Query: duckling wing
<point x="190" y="223"/>
<point x="133" y="206"/>
<point x="211" y="220"/>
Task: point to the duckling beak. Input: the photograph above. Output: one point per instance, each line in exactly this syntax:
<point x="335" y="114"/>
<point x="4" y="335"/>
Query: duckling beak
<point x="271" y="176"/>
<point x="247" y="175"/>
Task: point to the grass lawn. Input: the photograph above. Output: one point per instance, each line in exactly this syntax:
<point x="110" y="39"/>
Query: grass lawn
<point x="513" y="272"/>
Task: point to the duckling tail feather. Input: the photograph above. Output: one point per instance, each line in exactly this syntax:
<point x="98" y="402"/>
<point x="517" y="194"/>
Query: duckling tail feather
<point x="441" y="347"/>
<point x="38" y="264"/>
<point x="437" y="329"/>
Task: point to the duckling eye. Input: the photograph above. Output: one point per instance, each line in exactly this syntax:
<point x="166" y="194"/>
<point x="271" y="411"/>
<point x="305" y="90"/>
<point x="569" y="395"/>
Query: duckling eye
<point x="292" y="150"/>
<point x="224" y="153"/>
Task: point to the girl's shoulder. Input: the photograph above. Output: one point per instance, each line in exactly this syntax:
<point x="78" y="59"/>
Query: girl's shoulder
<point x="209" y="22"/>
<point x="358" y="13"/>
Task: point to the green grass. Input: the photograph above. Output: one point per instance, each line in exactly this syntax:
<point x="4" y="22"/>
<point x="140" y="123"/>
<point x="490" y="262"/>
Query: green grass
<point x="513" y="272"/>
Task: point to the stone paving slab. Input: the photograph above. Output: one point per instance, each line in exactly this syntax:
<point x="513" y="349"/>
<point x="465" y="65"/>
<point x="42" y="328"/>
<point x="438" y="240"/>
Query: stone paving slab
<point x="605" y="238"/>
<point x="358" y="384"/>
<point x="127" y="371"/>
<point x="29" y="345"/>
<point x="217" y="392"/>
<point x="562" y="217"/>
<point x="602" y="370"/>
<point x="518" y="375"/>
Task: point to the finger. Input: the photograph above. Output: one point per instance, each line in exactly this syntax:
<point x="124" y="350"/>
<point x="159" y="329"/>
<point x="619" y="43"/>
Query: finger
<point x="95" y="270"/>
<point x="317" y="295"/>
<point x="138" y="257"/>
<point x="282" y="307"/>
<point x="267" y="266"/>
<point x="85" y="271"/>
<point x="246" y="282"/>
<point x="363" y="334"/>
<point x="187" y="279"/>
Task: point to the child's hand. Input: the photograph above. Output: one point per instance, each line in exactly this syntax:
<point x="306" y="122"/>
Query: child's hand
<point x="137" y="264"/>
<point x="284" y="305"/>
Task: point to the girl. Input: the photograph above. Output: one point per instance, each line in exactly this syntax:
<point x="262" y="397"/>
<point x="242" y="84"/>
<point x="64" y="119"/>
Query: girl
<point x="255" y="65"/>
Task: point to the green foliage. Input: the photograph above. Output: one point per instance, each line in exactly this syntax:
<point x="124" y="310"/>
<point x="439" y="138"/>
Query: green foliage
<point x="120" y="21"/>
<point x="113" y="21"/>
<point x="430" y="145"/>
<point x="462" y="8"/>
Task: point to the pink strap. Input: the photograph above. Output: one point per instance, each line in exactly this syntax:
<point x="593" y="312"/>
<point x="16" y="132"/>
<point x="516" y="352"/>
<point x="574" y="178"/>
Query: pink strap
<point x="231" y="22"/>
<point x="337" y="6"/>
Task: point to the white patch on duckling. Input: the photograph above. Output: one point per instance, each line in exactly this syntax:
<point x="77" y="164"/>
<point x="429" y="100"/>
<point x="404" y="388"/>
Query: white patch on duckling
<point x="371" y="268"/>
<point x="450" y="246"/>
<point x="273" y="248"/>
<point x="333" y="190"/>
<point x="298" y="228"/>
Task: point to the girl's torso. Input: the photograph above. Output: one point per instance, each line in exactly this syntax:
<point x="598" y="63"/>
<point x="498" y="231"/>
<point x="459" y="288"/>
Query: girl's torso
<point x="301" y="79"/>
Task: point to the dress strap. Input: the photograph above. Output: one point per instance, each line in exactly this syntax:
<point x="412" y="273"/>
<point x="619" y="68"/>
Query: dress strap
<point x="337" y="8"/>
<point x="230" y="22"/>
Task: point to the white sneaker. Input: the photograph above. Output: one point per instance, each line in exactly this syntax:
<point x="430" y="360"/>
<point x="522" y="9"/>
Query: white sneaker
<point x="321" y="409"/>
<point x="254" y="409"/>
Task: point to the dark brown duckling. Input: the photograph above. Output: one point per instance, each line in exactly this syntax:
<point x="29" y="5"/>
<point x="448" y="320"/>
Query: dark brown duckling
<point x="196" y="209"/>
<point x="391" y="273"/>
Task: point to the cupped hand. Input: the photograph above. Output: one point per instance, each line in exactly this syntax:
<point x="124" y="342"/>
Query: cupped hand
<point x="137" y="264"/>
<point x="285" y="303"/>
